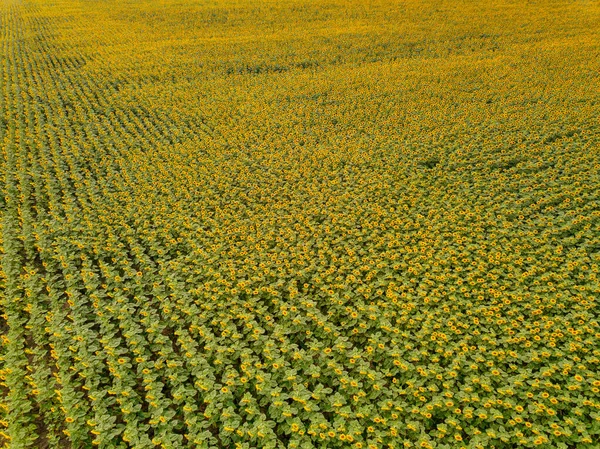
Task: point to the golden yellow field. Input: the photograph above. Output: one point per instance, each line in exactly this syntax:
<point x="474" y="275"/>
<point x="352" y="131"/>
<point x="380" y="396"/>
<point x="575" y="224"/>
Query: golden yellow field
<point x="300" y="224"/>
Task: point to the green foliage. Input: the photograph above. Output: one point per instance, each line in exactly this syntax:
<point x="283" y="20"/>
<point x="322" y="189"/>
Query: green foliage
<point x="238" y="224"/>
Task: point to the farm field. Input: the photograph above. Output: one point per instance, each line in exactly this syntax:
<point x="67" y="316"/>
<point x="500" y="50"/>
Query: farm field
<point x="300" y="224"/>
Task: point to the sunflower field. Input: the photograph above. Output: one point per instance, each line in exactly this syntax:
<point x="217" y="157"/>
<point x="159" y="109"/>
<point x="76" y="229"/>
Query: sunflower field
<point x="300" y="224"/>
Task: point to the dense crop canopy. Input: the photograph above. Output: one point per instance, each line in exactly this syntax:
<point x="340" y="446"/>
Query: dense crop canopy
<point x="300" y="224"/>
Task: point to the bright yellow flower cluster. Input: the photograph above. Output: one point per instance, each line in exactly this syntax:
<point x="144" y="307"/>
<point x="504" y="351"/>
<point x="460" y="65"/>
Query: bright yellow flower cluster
<point x="268" y="224"/>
